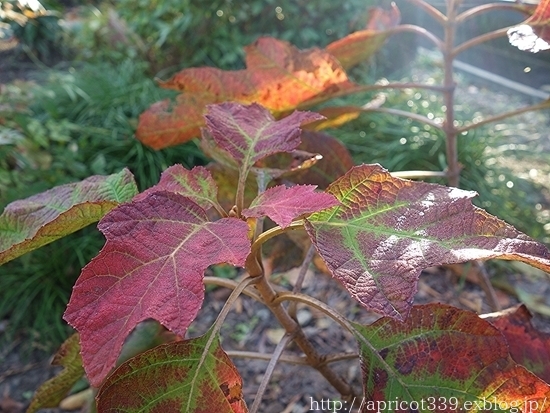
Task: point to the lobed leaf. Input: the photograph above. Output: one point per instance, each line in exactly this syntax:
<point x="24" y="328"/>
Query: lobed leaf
<point x="250" y="133"/>
<point x="447" y="359"/>
<point x="151" y="266"/>
<point x="191" y="376"/>
<point x="528" y="346"/>
<point x="31" y="223"/>
<point x="283" y="204"/>
<point x="278" y="76"/>
<point x="196" y="184"/>
<point x="387" y="230"/>
<point x="50" y="393"/>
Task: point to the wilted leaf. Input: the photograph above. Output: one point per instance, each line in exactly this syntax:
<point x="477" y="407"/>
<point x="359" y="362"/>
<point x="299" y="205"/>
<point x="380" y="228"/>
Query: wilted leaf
<point x="196" y="184"/>
<point x="446" y="358"/>
<point x="194" y="376"/>
<point x="528" y="346"/>
<point x="278" y="76"/>
<point x="50" y="393"/>
<point x="283" y="204"/>
<point x="533" y="35"/>
<point x="359" y="46"/>
<point x="152" y="266"/>
<point x="30" y="223"/>
<point x="387" y="230"/>
<point x="250" y="133"/>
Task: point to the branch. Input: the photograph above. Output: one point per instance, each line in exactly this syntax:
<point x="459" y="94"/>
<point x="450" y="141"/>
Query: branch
<point x="479" y="40"/>
<point x="269" y="372"/>
<point x="431" y="10"/>
<point x="543" y="105"/>
<point x="286" y="358"/>
<point x="419" y="174"/>
<point x="406" y="114"/>
<point x="412" y="28"/>
<point x="474" y="11"/>
<point x="231" y="284"/>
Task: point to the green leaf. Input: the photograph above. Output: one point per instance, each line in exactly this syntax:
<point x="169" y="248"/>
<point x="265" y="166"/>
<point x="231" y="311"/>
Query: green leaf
<point x="189" y="376"/>
<point x="50" y="393"/>
<point x="443" y="359"/>
<point x="388" y="230"/>
<point x="196" y="184"/>
<point x="30" y="223"/>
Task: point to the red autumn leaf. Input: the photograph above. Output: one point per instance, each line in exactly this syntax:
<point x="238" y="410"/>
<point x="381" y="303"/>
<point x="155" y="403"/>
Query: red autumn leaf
<point x="30" y="223"/>
<point x="359" y="46"/>
<point x="443" y="359"/>
<point x="387" y="230"/>
<point x="194" y="376"/>
<point x="151" y="266"/>
<point x="50" y="393"/>
<point x="196" y="184"/>
<point x="250" y="133"/>
<point x="278" y="76"/>
<point x="528" y="346"/>
<point x="283" y="204"/>
<point x="533" y="35"/>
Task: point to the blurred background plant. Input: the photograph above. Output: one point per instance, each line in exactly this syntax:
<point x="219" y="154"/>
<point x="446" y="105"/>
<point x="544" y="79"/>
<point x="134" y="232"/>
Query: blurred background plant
<point x="79" y="118"/>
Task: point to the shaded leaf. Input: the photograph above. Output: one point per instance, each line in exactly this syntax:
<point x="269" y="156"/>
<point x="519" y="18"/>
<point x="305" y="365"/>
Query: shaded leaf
<point x="188" y="376"/>
<point x="151" y="266"/>
<point x="387" y="230"/>
<point x="226" y="180"/>
<point x="196" y="184"/>
<point x="30" y="223"/>
<point x="250" y="133"/>
<point x="50" y="393"/>
<point x="283" y="204"/>
<point x="285" y="164"/>
<point x="359" y="46"/>
<point x="448" y="358"/>
<point x="335" y="163"/>
<point x="528" y="346"/>
<point x="533" y="35"/>
<point x="278" y="76"/>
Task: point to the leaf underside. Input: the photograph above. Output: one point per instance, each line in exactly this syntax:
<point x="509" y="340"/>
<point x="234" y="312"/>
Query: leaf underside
<point x="446" y="357"/>
<point x="30" y="223"/>
<point x="151" y="266"/>
<point x="191" y="376"/>
<point x="387" y="230"/>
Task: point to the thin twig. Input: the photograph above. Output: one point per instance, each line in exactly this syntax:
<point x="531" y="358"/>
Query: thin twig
<point x="231" y="284"/>
<point x="479" y="40"/>
<point x="301" y="276"/>
<point x="543" y="105"/>
<point x="287" y="358"/>
<point x="419" y="174"/>
<point x="406" y="114"/>
<point x="431" y="10"/>
<point x="269" y="372"/>
<point x="474" y="11"/>
<point x="486" y="285"/>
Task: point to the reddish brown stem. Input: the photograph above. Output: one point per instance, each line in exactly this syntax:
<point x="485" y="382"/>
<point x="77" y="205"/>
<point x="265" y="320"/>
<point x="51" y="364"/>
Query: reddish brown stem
<point x="479" y="40"/>
<point x="453" y="168"/>
<point x="475" y="11"/>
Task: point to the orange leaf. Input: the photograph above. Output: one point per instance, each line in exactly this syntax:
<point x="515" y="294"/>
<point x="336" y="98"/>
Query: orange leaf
<point x="278" y="76"/>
